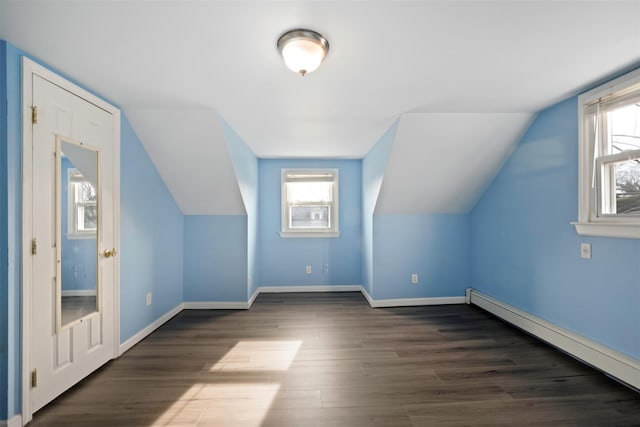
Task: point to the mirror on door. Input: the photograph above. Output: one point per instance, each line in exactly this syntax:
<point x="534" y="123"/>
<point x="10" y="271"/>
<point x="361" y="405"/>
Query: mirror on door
<point x="77" y="232"/>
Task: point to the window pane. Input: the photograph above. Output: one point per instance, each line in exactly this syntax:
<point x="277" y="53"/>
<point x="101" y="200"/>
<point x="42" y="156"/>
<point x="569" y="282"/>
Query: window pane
<point x="87" y="193"/>
<point x="309" y="192"/>
<point x="625" y="128"/>
<point x="304" y="216"/>
<point x="87" y="217"/>
<point x="627" y="176"/>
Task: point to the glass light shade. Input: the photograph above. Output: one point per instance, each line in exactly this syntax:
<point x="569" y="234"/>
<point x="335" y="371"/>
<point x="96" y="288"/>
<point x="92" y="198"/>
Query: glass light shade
<point x="303" y="50"/>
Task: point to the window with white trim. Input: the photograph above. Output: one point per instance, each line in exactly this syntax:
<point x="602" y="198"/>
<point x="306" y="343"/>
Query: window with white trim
<point x="310" y="203"/>
<point x="610" y="159"/>
<point x="82" y="206"/>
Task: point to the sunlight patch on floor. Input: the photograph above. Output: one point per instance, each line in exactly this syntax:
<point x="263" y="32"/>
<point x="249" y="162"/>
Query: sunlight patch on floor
<point x="258" y="356"/>
<point x="232" y="404"/>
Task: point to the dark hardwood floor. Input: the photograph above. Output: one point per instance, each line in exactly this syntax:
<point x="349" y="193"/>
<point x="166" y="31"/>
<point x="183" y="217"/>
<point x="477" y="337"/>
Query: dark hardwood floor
<point x="330" y="360"/>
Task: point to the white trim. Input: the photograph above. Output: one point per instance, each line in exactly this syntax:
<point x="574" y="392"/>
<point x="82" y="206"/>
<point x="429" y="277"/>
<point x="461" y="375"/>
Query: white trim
<point x="253" y="297"/>
<point x="15" y="421"/>
<point x="27" y="232"/>
<point x="79" y="293"/>
<point x="29" y="68"/>
<point x="309" y="234"/>
<point x="399" y="302"/>
<point x="408" y="302"/>
<point x="588" y="224"/>
<point x="618" y="365"/>
<point x="367" y="296"/>
<point x="310" y="288"/>
<point x="598" y="229"/>
<point x="216" y="305"/>
<point x="150" y="328"/>
<point x="334" y="231"/>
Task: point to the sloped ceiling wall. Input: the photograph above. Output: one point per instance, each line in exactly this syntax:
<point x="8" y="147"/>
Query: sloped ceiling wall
<point x="442" y="163"/>
<point x="189" y="148"/>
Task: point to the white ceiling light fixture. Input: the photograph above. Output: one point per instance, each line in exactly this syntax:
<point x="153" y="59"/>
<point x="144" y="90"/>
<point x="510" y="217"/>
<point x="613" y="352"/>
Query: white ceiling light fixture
<point x="303" y="50"/>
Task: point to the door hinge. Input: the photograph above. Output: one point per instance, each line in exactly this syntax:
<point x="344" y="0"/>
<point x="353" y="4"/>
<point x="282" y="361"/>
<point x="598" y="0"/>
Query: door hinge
<point x="34" y="378"/>
<point x="34" y="115"/>
<point x="34" y="246"/>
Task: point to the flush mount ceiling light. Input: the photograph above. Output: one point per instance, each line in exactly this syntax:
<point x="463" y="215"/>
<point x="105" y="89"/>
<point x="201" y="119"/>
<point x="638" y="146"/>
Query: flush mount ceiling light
<point x="303" y="50"/>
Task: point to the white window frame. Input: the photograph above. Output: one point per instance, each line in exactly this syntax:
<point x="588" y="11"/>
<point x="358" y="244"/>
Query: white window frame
<point x="334" y="211"/>
<point x="73" y="231"/>
<point x="592" y="174"/>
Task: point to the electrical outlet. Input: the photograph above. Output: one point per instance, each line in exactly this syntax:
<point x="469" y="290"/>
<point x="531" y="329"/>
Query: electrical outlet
<point x="414" y="278"/>
<point x="585" y="250"/>
<point x="308" y="269"/>
<point x="149" y="298"/>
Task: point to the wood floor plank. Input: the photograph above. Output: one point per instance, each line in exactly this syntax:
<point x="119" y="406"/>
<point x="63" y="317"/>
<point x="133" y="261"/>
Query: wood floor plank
<point x="330" y="360"/>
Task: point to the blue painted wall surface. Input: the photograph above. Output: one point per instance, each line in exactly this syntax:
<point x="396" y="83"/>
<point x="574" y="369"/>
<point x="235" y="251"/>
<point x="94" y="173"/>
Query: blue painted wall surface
<point x="151" y="235"/>
<point x="246" y="168"/>
<point x="526" y="253"/>
<point x="14" y="223"/>
<point x="215" y="258"/>
<point x="436" y="247"/>
<point x="4" y="283"/>
<point x="79" y="260"/>
<point x="373" y="166"/>
<point x="283" y="261"/>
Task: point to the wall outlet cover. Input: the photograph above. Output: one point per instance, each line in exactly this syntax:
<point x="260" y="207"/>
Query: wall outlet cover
<point x="585" y="250"/>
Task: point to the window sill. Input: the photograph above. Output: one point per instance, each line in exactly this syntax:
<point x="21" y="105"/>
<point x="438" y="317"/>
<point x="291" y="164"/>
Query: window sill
<point x="618" y="230"/>
<point x="309" y="234"/>
<point x="87" y="236"/>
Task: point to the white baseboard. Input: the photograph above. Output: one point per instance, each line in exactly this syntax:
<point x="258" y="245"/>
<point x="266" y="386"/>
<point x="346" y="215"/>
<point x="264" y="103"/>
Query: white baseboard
<point x="79" y="293"/>
<point x="611" y="362"/>
<point x="310" y="288"/>
<point x="367" y="296"/>
<point x="15" y="421"/>
<point x="399" y="302"/>
<point x="150" y="328"/>
<point x="253" y="297"/>
<point x="408" y="302"/>
<point x="216" y="305"/>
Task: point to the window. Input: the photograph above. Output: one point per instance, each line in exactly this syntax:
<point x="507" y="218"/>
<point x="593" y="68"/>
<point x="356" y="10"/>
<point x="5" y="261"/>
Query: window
<point x="610" y="159"/>
<point x="310" y="203"/>
<point x="82" y="213"/>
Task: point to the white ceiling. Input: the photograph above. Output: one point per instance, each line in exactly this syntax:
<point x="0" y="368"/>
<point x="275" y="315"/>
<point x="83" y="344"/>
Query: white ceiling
<point x="201" y="184"/>
<point x="441" y="163"/>
<point x="387" y="59"/>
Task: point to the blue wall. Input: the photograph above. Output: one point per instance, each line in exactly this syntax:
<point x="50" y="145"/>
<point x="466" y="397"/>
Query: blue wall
<point x="526" y="253"/>
<point x="246" y="168"/>
<point x="283" y="261"/>
<point x="373" y="166"/>
<point x="11" y="234"/>
<point x="436" y="247"/>
<point x="151" y="239"/>
<point x="215" y="258"/>
<point x="4" y="288"/>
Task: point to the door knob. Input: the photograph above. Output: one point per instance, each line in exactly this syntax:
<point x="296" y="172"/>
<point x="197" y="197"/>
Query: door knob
<point x="109" y="253"/>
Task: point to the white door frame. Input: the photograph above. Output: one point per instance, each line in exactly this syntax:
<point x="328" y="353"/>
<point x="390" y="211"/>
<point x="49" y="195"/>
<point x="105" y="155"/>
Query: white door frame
<point x="28" y="68"/>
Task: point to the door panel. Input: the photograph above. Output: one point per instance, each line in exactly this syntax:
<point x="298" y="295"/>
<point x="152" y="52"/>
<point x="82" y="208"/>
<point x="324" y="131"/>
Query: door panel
<point x="63" y="355"/>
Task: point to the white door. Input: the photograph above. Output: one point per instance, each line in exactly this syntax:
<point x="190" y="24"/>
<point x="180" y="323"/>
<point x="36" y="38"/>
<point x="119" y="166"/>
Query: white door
<point x="70" y="333"/>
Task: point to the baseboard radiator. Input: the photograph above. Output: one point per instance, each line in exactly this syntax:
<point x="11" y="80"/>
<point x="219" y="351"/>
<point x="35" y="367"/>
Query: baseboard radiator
<point x="614" y="364"/>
